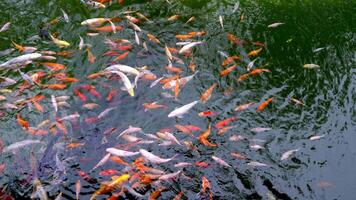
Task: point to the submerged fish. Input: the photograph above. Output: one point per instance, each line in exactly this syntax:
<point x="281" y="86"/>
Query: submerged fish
<point x="287" y="154"/>
<point x="21" y="144"/>
<point x="153" y="158"/>
<point x="311" y="66"/>
<point x="179" y="112"/>
<point x="121" y="153"/>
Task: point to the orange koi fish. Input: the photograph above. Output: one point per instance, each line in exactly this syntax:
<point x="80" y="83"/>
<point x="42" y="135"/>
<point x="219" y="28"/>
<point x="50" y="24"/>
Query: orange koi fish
<point x="118" y="160"/>
<point x="232" y="38"/>
<point x="22" y="122"/>
<point x="199" y="33"/>
<point x="252" y="73"/>
<point x="122" y="56"/>
<point x="207" y="94"/>
<point x="203" y="138"/>
<point x="54" y="66"/>
<point x="175" y="70"/>
<point x="68" y="80"/>
<point x="207" y="113"/>
<point x="107" y="29"/>
<point x="80" y="95"/>
<point x="254" y="52"/>
<point x="264" y="104"/>
<point x="183" y="129"/>
<point x="153" y="105"/>
<point x="153" y="38"/>
<point x="243" y="107"/>
<point x="225" y="122"/>
<point x="74" y="145"/>
<point x="230" y="59"/>
<point x="56" y="86"/>
<point x="227" y="70"/>
<point x="184" y="37"/>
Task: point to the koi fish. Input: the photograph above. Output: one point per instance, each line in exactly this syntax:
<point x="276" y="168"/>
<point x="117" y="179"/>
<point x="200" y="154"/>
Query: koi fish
<point x="77" y="189"/>
<point x="54" y="66"/>
<point x="102" y="161"/>
<point x="190" y="20"/>
<point x="22" y="122"/>
<point x="121" y="153"/>
<point x="287" y="154"/>
<point x="187" y="47"/>
<point x="5" y="27"/>
<point x="24" y="49"/>
<point x="56" y="86"/>
<point x="173" y="18"/>
<point x="316" y="137"/>
<point x="21" y="59"/>
<point x="59" y="43"/>
<point x="227" y="70"/>
<point x="254" y="52"/>
<point x="179" y="112"/>
<point x="252" y="73"/>
<point x="107" y="187"/>
<point x="225" y="122"/>
<point x="207" y="94"/>
<point x="153" y="105"/>
<point x="169" y="176"/>
<point x="230" y="59"/>
<point x="275" y="25"/>
<point x="220" y="161"/>
<point x="108" y="172"/>
<point x="243" y="106"/>
<point x="107" y="29"/>
<point x="21" y="144"/>
<point x="127" y="83"/>
<point x="207" y="113"/>
<point x="203" y="138"/>
<point x="311" y="66"/>
<point x="153" y="158"/>
<point x="123" y="68"/>
<point x="264" y="104"/>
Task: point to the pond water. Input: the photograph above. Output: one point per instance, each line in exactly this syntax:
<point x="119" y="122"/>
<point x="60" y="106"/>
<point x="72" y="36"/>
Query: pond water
<point x="301" y="145"/>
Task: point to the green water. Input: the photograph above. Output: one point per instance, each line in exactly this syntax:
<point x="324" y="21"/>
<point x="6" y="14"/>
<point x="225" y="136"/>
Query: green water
<point x="321" y="169"/>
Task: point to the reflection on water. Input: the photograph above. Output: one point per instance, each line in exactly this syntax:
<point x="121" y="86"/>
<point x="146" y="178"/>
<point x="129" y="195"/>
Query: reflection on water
<point x="300" y="146"/>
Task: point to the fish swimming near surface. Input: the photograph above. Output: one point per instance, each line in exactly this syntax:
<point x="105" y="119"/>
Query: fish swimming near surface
<point x="179" y="112"/>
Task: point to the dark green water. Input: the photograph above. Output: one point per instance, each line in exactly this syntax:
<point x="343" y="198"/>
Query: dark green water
<point x="321" y="169"/>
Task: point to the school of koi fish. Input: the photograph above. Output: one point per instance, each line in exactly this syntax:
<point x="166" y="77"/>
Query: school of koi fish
<point x="47" y="87"/>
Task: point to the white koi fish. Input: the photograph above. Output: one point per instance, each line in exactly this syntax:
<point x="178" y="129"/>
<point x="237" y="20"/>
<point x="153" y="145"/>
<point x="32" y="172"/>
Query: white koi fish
<point x="179" y="112"/>
<point x="153" y="158"/>
<point x="121" y="153"/>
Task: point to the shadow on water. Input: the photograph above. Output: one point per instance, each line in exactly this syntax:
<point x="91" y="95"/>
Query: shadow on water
<point x="320" y="32"/>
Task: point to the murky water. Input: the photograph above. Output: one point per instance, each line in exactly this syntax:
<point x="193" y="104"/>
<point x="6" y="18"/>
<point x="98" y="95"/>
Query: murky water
<point x="320" y="169"/>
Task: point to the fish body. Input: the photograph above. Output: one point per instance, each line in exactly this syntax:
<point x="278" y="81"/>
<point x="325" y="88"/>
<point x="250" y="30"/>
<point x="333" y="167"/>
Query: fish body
<point x="179" y="112"/>
<point x="123" y="68"/>
<point x="287" y="154"/>
<point x="264" y="104"/>
<point x="275" y="25"/>
<point x="18" y="145"/>
<point x="220" y="161"/>
<point x="207" y="94"/>
<point x="311" y="66"/>
<point x="127" y="83"/>
<point x="21" y="59"/>
<point x="121" y="153"/>
<point x="5" y="27"/>
<point x="153" y="158"/>
<point x="169" y="176"/>
<point x="186" y="48"/>
<point x="94" y="21"/>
